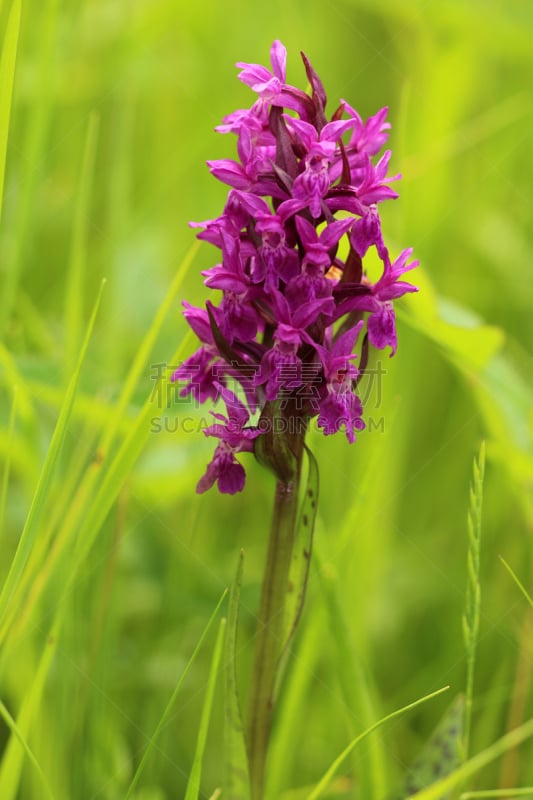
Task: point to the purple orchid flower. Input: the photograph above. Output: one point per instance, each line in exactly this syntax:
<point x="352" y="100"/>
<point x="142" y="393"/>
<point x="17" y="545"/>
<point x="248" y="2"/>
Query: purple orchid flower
<point x="270" y="85"/>
<point x="366" y="231"/>
<point x="370" y="136"/>
<point x="234" y="438"/>
<point x="296" y="299"/>
<point x="373" y="187"/>
<point x="389" y="287"/>
<point x="204" y="368"/>
<point x="231" y="222"/>
<point x="382" y="322"/>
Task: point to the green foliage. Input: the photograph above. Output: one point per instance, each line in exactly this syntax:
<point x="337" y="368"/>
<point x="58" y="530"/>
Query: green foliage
<point x="237" y="786"/>
<point x="441" y="754"/>
<point x="111" y="565"/>
<point x="193" y="784"/>
<point x="473" y="590"/>
<point x="171" y="703"/>
<point x="326" y="779"/>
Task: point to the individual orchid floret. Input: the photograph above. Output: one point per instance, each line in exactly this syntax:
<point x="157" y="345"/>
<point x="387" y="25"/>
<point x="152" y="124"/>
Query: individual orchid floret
<point x="381" y="326"/>
<point x="317" y="246"/>
<point x="389" y="287"/>
<point x="281" y="366"/>
<point x="200" y="371"/>
<point x="366" y="232"/>
<point x="197" y="372"/>
<point x="340" y="406"/>
<point x="370" y="136"/>
<point x="373" y="188"/>
<point x="312" y="185"/>
<point x="312" y="283"/>
<point x="254" y="159"/>
<point x="270" y="85"/>
<point x="233" y="219"/>
<point x="239" y="317"/>
<point x="382" y="321"/>
<point x="274" y="259"/>
<point x="234" y="438"/>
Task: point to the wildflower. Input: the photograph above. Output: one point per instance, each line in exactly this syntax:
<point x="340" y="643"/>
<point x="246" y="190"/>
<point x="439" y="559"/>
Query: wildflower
<point x="302" y="212"/>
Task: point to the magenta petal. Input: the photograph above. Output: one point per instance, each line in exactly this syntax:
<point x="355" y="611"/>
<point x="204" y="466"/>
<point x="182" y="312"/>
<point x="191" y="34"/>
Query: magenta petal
<point x="334" y="231"/>
<point x="344" y="345"/>
<point x="381" y="326"/>
<point x="333" y="131"/>
<point x="307" y="132"/>
<point x="229" y="172"/>
<point x="278" y="59"/>
<point x="252" y="74"/>
<point x="396" y="290"/>
<point x="208" y="478"/>
<point x="232" y="479"/>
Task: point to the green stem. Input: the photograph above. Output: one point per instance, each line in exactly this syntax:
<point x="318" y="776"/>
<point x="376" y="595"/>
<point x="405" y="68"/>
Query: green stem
<point x="271" y="621"/>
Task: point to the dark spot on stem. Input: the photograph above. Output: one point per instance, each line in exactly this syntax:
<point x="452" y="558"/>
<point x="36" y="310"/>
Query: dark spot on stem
<point x="305" y="519"/>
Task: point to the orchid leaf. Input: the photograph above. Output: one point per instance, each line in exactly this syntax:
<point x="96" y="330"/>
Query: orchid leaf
<point x="302" y="549"/>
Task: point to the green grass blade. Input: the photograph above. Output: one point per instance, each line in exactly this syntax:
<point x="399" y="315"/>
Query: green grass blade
<point x="7" y="79"/>
<point x="237" y="786"/>
<point x="170" y="704"/>
<point x="7" y="463"/>
<point x="303" y="545"/>
<point x="329" y="774"/>
<point x="13" y="756"/>
<point x="13" y="727"/>
<point x="93" y="502"/>
<point x="193" y="786"/>
<point x="33" y="152"/>
<point x="477" y="762"/>
<point x="78" y="249"/>
<point x="517" y="580"/>
<point x="31" y="526"/>
<point x="473" y="590"/>
<point x="504" y="793"/>
<point x="354" y="680"/>
<point x="12" y="376"/>
<point x="292" y="704"/>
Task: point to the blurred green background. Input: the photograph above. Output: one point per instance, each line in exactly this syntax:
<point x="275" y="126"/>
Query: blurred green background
<point x="114" y="106"/>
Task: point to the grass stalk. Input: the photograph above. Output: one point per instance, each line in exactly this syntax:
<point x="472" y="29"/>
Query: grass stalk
<point x="473" y="591"/>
